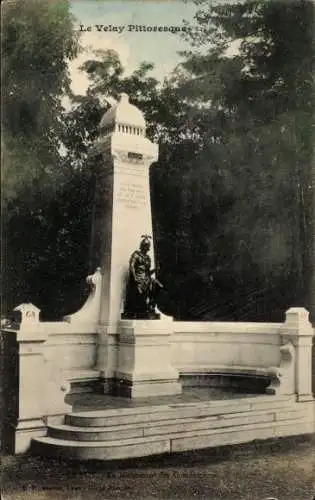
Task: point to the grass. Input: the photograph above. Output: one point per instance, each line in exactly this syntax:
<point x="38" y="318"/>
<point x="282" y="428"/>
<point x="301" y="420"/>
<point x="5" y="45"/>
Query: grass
<point x="283" y="469"/>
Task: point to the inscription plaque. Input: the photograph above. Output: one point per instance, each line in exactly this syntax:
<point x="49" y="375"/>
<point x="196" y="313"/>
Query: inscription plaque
<point x="132" y="195"/>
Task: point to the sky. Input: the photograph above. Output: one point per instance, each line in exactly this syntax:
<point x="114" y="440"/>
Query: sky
<point x="160" y="48"/>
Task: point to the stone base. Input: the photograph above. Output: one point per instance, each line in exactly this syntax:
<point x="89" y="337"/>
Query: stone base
<point x="144" y="361"/>
<point x="305" y="397"/>
<point x="146" y="389"/>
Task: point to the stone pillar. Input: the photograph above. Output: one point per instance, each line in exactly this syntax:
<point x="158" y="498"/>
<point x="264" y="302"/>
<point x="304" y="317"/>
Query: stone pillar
<point x="128" y="218"/>
<point x="40" y="390"/>
<point x="298" y="330"/>
<point x="31" y="408"/>
<point x="122" y="216"/>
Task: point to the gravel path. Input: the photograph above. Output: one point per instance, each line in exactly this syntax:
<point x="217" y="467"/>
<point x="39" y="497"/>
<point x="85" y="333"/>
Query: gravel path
<point x="283" y="469"/>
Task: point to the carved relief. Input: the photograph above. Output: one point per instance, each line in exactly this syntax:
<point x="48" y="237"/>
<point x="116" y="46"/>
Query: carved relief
<point x="56" y="388"/>
<point x="89" y="313"/>
<point x="132" y="157"/>
<point x="282" y="377"/>
<point x="125" y="157"/>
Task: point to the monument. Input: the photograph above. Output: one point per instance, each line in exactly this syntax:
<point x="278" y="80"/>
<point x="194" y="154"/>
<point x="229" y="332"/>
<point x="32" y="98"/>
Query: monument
<point x="134" y="348"/>
<point x="120" y="339"/>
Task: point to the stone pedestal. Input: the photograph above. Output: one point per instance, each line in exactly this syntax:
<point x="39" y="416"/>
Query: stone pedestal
<point x="36" y="384"/>
<point x="31" y="388"/>
<point x="144" y="360"/>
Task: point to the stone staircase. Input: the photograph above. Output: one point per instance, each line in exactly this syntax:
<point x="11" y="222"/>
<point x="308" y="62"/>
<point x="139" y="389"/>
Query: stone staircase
<point x="151" y="430"/>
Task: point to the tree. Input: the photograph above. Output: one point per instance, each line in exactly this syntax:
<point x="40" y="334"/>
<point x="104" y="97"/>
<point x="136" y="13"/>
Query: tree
<point x="38" y="39"/>
<point x="230" y="190"/>
<point x="254" y="115"/>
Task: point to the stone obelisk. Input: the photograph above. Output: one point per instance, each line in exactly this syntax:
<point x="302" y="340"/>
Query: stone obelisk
<point x="134" y="355"/>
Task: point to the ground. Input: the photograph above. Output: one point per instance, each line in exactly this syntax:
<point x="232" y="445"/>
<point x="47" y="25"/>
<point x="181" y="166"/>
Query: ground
<point x="283" y="469"/>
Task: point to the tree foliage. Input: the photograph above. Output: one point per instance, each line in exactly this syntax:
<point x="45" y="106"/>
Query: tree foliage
<point x="250" y="212"/>
<point x="37" y="40"/>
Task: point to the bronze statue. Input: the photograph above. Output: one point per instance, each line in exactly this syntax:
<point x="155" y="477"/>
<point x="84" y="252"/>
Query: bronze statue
<point x="142" y="288"/>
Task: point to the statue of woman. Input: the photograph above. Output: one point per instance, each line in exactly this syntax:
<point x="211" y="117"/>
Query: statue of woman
<point x="142" y="287"/>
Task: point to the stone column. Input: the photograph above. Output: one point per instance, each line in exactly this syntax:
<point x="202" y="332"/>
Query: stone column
<point x="129" y="218"/>
<point x="40" y="391"/>
<point x="122" y="216"/>
<point x="298" y="330"/>
<point x="31" y="407"/>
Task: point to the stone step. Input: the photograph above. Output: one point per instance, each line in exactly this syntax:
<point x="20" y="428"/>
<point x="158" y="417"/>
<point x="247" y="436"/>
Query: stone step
<point x="177" y="442"/>
<point x="74" y="433"/>
<point x="221" y="403"/>
<point x="121" y="416"/>
<point x="100" y="450"/>
<point x="168" y="427"/>
<point x="241" y="434"/>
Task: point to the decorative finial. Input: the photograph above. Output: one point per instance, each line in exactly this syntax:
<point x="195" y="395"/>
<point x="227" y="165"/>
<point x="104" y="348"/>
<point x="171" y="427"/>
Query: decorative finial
<point x="29" y="313"/>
